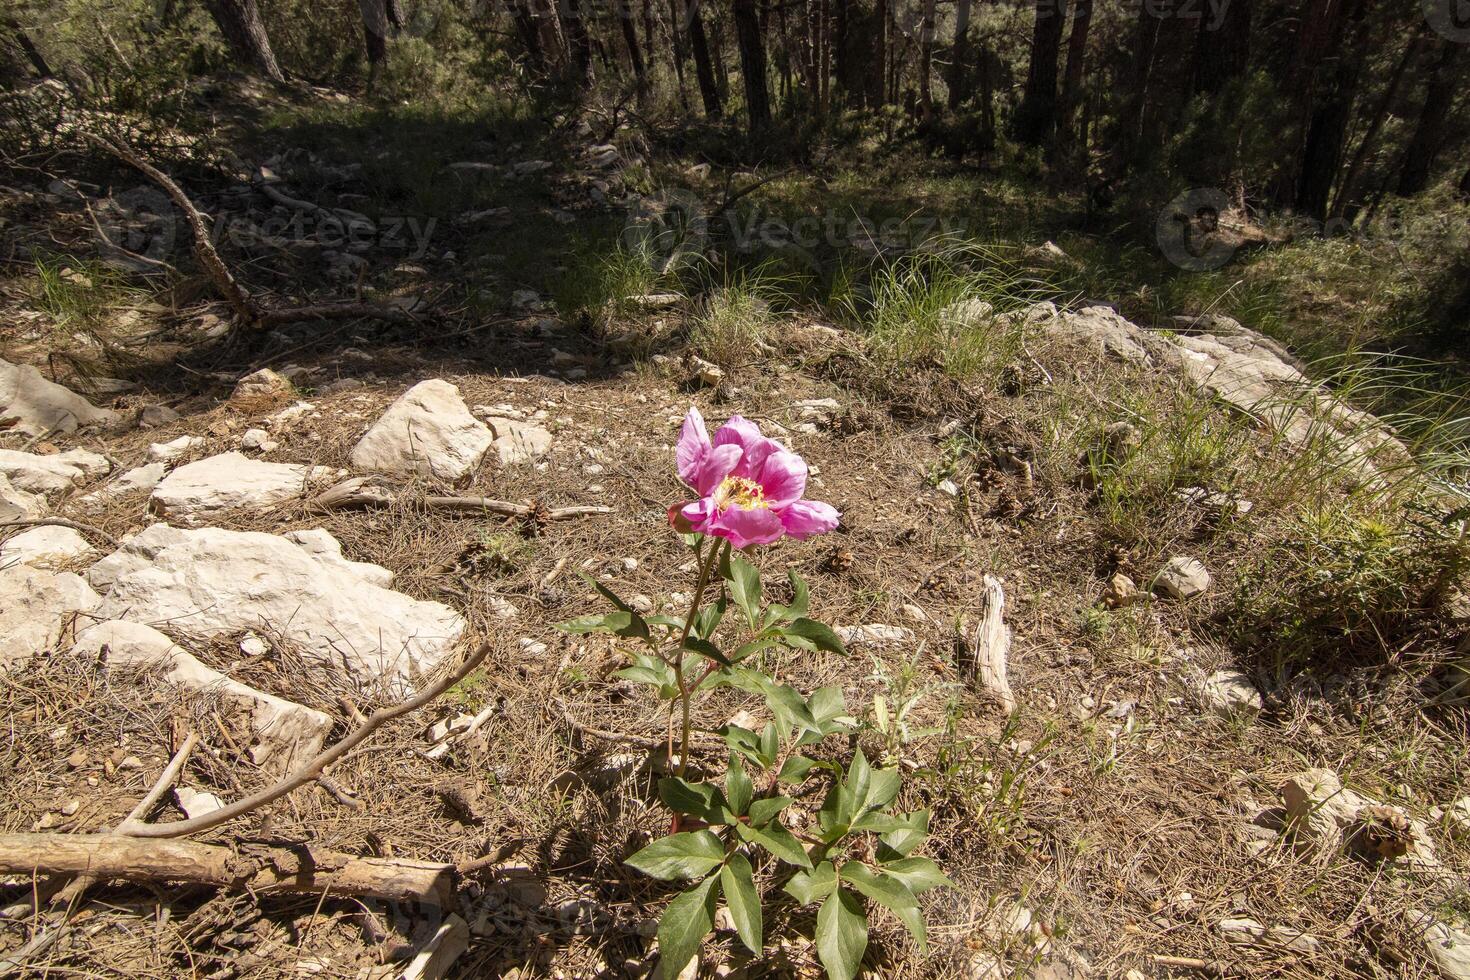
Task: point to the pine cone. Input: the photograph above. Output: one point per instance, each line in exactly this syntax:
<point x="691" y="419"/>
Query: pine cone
<point x="840" y="560"/>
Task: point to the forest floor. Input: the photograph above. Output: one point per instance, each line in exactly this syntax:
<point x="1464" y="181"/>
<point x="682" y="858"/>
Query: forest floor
<point x="1118" y="823"/>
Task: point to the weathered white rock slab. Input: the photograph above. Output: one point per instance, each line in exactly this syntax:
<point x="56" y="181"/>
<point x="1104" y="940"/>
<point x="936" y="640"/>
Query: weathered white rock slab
<point x="1323" y="813"/>
<point x="200" y="491"/>
<point x="1449" y="949"/>
<point x="46" y="546"/>
<point x="281" y="731"/>
<point x="33" y="405"/>
<point x="163" y="452"/>
<point x="17" y="504"/>
<point x="135" y="480"/>
<point x="427" y="431"/>
<point x="54" y="473"/>
<point x="874" y="634"/>
<point x="1183" y="578"/>
<point x="35" y="606"/>
<point x="211" y="581"/>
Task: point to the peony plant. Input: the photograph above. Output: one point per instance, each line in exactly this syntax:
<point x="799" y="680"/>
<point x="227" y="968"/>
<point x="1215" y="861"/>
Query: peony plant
<point x="738" y="835"/>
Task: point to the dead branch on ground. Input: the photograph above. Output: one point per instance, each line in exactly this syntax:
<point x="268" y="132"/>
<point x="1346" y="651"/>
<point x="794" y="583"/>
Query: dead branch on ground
<point x="364" y="492"/>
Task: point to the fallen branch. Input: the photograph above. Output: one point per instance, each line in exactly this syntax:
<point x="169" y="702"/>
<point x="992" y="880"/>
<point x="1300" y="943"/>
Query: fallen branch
<point x="62" y="522"/>
<point x="312" y="770"/>
<point x="257" y="869"/>
<point x="364" y="492"/>
<point x="992" y="644"/>
<point x="247" y="309"/>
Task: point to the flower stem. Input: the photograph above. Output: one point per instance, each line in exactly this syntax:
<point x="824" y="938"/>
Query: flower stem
<point x="706" y="565"/>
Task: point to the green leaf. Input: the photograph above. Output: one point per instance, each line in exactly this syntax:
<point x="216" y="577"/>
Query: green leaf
<point x="685" y="923"/>
<point x="668" y="622"/>
<point x="770" y="743"/>
<point x="858" y="782"/>
<point x="745" y="588"/>
<point x="621" y="623"/>
<point x="738" y="787"/>
<point x="903" y="842"/>
<point x="883" y="786"/>
<point x="878" y="823"/>
<point x="891" y="894"/>
<point x="842" y="934"/>
<point x="764" y="811"/>
<point x="743" y="901"/>
<point x="680" y="857"/>
<point x="776" y="839"/>
<point x="919" y="874"/>
<point x="814" y="885"/>
<point x="708" y="618"/>
<point x="818" y="634"/>
<point x="705" y="649"/>
<point x="794" y="769"/>
<point x="827" y="705"/>
<point x="606" y="593"/>
<point x="755" y="646"/>
<point x="696" y="799"/>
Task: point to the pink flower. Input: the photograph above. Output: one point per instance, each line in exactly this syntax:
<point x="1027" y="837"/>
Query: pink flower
<point x="749" y="486"/>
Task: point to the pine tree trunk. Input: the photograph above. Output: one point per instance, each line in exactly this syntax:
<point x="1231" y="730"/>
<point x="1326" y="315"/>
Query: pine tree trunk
<point x="1076" y="63"/>
<point x="28" y="47"/>
<point x="1327" y="132"/>
<point x="635" y="54"/>
<point x="960" y="55"/>
<point x="752" y="63"/>
<point x="530" y="35"/>
<point x="926" y="59"/>
<point x="1346" y="203"/>
<point x="824" y="66"/>
<point x="244" y="32"/>
<point x="1430" y="131"/>
<point x="877" y="68"/>
<point x="579" y="44"/>
<point x="703" y="67"/>
<point x="1036" y="117"/>
<point x="1134" y="118"/>
<point x="1222" y="51"/>
<point x="679" y="42"/>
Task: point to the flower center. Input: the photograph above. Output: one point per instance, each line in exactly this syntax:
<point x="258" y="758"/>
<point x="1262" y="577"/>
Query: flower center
<point x="740" y="492"/>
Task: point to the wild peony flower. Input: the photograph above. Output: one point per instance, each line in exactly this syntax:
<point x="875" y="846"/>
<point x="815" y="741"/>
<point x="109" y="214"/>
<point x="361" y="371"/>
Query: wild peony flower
<point x="749" y="487"/>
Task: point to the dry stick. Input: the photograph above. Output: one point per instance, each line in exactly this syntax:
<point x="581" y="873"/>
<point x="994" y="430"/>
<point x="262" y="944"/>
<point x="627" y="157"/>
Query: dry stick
<point x="245" y="306"/>
<point x="360" y="492"/>
<point x="313" y="769"/>
<point x="62" y="522"/>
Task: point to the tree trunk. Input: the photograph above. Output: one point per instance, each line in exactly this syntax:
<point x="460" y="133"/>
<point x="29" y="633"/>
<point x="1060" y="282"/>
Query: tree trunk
<point x="1465" y="185"/>
<point x="703" y="66"/>
<point x="752" y="63"/>
<point x="1430" y="131"/>
<point x="877" y="69"/>
<point x="987" y="98"/>
<point x="679" y="42"/>
<point x="811" y="50"/>
<point x="1036" y="117"/>
<point x="244" y="32"/>
<point x="1346" y="203"/>
<point x="1222" y="51"/>
<point x="1135" y="114"/>
<point x="579" y="44"/>
<point x="1076" y="63"/>
<point x="959" y="55"/>
<point x="28" y="47"/>
<point x="926" y="59"/>
<point x="1327" y="132"/>
<point x="530" y="35"/>
<point x="824" y="64"/>
<point x="635" y="54"/>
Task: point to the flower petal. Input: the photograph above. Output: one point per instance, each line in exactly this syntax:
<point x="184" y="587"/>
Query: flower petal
<point x="717" y="464"/>
<point x="693" y="445"/>
<point x="806" y="518"/>
<point x="742" y="432"/>
<point x="759" y="525"/>
<point x="689" y="517"/>
<point x="783" y="478"/>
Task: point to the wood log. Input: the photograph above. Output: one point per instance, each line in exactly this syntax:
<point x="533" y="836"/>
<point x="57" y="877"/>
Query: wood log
<point x="992" y="645"/>
<point x="258" y="869"/>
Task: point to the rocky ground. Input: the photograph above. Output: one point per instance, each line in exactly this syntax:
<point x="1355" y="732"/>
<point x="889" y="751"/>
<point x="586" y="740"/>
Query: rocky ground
<point x="236" y="545"/>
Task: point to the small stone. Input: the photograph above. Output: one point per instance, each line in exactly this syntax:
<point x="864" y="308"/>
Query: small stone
<point x="156" y="415"/>
<point x="70" y="807"/>
<point x="254" y="646"/>
<point x="1230" y="694"/>
<point x="45" y="547"/>
<point x="1458" y="818"/>
<point x="264" y="383"/>
<point x="532" y="648"/>
<point x="130" y="762"/>
<point x="163" y="452"/>
<point x="197" y="803"/>
<point x="502" y="608"/>
<point x="630" y="564"/>
<point x="77" y="759"/>
<point x="948" y="487"/>
<point x="1122" y="591"/>
<point x="1183" y="578"/>
<point x="913" y="613"/>
<point x="706" y="373"/>
<point x="641" y="604"/>
<point x="876" y="634"/>
<point x="254" y="439"/>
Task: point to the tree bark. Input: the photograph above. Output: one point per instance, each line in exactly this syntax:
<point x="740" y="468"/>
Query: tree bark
<point x="926" y="59"/>
<point x="635" y="54"/>
<point x="244" y="33"/>
<point x="752" y="63"/>
<point x="960" y="55"/>
<point x="1036" y="116"/>
<point x="704" y="69"/>
<point x="28" y="47"/>
<point x="1222" y="52"/>
<point x="1135" y="114"/>
<point x="1430" y="131"/>
<point x="530" y="34"/>
<point x="1321" y="159"/>
<point x="1076" y="63"/>
<point x="1346" y="202"/>
<point x="579" y="44"/>
<point x="263" y="869"/>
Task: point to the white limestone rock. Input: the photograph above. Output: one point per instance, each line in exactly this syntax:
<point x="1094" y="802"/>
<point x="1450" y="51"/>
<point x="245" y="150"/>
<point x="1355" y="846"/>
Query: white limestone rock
<point x="428" y="431"/>
<point x="17" y="504"/>
<point x="136" y="480"/>
<point x="35" y="607"/>
<point x="1230" y="694"/>
<point x="47" y="546"/>
<point x="264" y="383"/>
<point x="196" y="803"/>
<point x="874" y="634"/>
<point x="54" y="473"/>
<point x="162" y="452"/>
<point x="210" y="581"/>
<point x="519" y="442"/>
<point x="202" y="490"/>
<point x="1183" y="578"/>
<point x="31" y="404"/>
<point x="281" y="731"/>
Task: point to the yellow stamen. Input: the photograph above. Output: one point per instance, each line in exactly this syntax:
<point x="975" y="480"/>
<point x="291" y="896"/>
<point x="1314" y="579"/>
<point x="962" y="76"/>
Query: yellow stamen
<point x="739" y="492"/>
